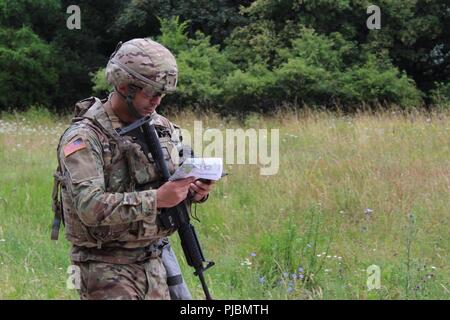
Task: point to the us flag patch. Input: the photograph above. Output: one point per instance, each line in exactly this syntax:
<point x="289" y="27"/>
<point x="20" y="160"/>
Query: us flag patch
<point x="74" y="146"/>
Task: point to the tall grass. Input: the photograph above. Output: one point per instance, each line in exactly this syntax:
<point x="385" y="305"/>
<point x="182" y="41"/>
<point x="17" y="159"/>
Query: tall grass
<point x="351" y="191"/>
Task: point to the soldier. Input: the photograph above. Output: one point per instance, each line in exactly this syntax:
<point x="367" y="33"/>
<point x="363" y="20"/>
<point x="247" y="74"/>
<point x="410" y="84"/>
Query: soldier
<point x="107" y="191"/>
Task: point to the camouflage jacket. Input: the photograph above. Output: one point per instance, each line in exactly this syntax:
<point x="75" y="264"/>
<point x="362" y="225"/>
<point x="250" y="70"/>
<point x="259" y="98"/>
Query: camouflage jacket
<point x="99" y="173"/>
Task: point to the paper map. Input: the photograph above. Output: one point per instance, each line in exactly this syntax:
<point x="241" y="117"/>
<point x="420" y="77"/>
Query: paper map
<point x="201" y="168"/>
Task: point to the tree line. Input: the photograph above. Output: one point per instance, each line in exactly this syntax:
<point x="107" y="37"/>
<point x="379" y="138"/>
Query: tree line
<point x="234" y="56"/>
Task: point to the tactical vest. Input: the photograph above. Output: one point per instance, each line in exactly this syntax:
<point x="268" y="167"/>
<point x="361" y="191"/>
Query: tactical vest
<point x="126" y="169"/>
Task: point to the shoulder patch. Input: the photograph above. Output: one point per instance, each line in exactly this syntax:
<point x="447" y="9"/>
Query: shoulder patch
<point x="74" y="146"/>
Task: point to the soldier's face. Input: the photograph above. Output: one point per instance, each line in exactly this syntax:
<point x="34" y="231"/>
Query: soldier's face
<point x="146" y="104"/>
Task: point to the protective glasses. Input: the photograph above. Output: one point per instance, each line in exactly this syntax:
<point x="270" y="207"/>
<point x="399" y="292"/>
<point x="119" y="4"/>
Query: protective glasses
<point x="150" y="92"/>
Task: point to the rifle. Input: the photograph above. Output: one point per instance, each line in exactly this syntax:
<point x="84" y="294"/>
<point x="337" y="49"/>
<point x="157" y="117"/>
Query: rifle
<point x="176" y="217"/>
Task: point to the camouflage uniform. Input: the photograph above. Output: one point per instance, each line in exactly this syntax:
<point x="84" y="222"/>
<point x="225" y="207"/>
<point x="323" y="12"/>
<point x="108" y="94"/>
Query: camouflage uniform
<point x="105" y="187"/>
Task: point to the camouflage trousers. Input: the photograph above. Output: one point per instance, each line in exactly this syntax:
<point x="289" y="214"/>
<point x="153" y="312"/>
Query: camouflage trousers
<point x="139" y="281"/>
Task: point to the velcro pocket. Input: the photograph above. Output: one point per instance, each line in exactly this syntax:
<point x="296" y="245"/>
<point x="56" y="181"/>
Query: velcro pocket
<point x="139" y="167"/>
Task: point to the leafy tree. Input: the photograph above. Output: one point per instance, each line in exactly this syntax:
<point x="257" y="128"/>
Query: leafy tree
<point x="44" y="17"/>
<point x="414" y="34"/>
<point x="440" y="95"/>
<point x="201" y="66"/>
<point x="81" y="52"/>
<point x="254" y="43"/>
<point x="216" y="18"/>
<point x="28" y="73"/>
<point x="236" y="55"/>
<point x="315" y="70"/>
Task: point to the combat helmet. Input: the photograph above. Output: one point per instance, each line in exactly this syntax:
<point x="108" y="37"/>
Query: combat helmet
<point x="145" y="64"/>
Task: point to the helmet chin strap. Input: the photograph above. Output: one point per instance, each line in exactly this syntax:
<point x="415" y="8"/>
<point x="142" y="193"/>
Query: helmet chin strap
<point x="129" y="99"/>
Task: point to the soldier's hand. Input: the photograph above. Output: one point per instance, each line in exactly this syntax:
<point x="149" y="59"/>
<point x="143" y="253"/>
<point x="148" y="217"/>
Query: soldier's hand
<point x="200" y="189"/>
<point x="172" y="193"/>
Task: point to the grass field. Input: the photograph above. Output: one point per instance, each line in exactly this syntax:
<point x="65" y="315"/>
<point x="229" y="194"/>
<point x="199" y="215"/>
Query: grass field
<point x="351" y="192"/>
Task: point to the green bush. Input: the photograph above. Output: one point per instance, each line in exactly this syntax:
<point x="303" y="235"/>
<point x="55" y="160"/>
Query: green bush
<point x="29" y="75"/>
<point x="255" y="43"/>
<point x="324" y="70"/>
<point x="315" y="69"/>
<point x="101" y="85"/>
<point x="202" y="68"/>
<point x="174" y="35"/>
<point x="373" y="84"/>
<point x="245" y="92"/>
<point x="440" y="95"/>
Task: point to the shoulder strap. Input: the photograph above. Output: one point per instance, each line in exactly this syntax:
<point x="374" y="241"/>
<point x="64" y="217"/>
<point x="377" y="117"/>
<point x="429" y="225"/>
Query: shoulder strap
<point x="56" y="195"/>
<point x="57" y="204"/>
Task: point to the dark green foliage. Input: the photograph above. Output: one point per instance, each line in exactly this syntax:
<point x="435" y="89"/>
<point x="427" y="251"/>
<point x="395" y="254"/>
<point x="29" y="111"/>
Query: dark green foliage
<point x="440" y="95"/>
<point x="235" y="56"/>
<point x="216" y="18"/>
<point x="319" y="70"/>
<point x="414" y="34"/>
<point x="202" y="66"/>
<point x="43" y="16"/>
<point x="28" y="74"/>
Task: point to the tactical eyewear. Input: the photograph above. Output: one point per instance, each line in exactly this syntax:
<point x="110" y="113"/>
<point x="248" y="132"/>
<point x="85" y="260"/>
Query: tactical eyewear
<point x="150" y="92"/>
